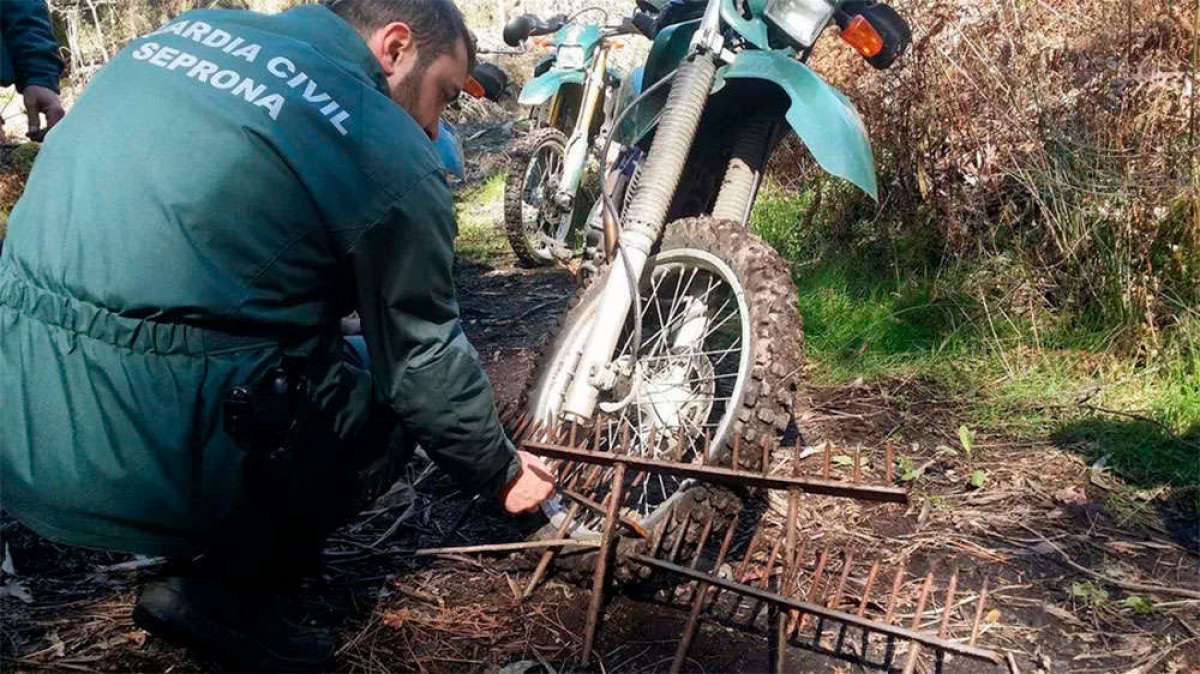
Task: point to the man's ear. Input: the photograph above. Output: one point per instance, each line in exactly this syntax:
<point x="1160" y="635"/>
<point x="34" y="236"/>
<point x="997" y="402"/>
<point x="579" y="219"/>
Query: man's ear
<point x="393" y="46"/>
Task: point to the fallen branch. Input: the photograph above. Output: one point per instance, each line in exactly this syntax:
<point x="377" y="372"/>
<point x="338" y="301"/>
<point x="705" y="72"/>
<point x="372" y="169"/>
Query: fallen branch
<point x="507" y="547"/>
<point x="1123" y="584"/>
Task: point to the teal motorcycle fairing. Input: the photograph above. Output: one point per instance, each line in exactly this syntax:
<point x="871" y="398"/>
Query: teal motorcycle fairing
<point x="543" y="87"/>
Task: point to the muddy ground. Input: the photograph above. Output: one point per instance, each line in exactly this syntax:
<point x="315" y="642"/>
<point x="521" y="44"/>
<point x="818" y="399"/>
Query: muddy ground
<point x="1082" y="578"/>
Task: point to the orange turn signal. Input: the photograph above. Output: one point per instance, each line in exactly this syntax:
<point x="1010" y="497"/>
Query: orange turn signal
<point x="861" y="35"/>
<point x="473" y="87"/>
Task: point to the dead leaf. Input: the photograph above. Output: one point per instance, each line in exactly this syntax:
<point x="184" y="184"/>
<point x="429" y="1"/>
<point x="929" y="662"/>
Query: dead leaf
<point x="1071" y="496"/>
<point x="992" y="616"/>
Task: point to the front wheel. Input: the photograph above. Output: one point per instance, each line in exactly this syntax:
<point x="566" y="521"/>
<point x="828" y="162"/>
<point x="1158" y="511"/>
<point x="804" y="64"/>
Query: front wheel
<point x="531" y="219"/>
<point x="719" y="358"/>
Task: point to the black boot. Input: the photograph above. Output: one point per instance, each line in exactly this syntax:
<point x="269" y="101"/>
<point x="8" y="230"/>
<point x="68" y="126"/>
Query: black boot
<point x="240" y="630"/>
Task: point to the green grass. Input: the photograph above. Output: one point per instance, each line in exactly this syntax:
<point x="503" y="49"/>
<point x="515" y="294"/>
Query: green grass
<point x="480" y="213"/>
<point x="887" y="308"/>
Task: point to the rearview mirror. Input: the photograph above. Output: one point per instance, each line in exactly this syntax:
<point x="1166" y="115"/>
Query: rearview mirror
<point x="518" y="30"/>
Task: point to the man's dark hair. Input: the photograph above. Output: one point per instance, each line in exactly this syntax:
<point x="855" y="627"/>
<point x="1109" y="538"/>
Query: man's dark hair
<point x="437" y="25"/>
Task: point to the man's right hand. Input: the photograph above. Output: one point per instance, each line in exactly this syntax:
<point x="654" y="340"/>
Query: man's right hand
<point x="42" y="101"/>
<point x="533" y="485"/>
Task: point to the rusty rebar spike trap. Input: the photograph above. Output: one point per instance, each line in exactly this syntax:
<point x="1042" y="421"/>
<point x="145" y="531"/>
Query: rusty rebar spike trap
<point x="725" y="475"/>
<point x="768" y="572"/>
<point x="857" y="475"/>
<point x="866" y="593"/>
<point x="599" y="576"/>
<point x="689" y="629"/>
<point x="836" y="601"/>
<point x="949" y="607"/>
<point x="914" y="651"/>
<point x="704" y="533"/>
<point x="766" y="458"/>
<point x="812" y="588"/>
<point x="828" y="460"/>
<point x="680" y="534"/>
<point x="896" y="583"/>
<point x="888" y="459"/>
<point x="774" y="598"/>
<point x="983" y="595"/>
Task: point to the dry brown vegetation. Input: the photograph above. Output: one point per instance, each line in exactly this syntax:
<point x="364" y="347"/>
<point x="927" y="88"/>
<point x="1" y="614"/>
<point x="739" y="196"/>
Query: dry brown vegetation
<point x="1060" y="135"/>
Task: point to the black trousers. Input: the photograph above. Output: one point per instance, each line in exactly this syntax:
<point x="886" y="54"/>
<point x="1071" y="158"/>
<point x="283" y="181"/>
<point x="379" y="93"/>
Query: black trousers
<point x="346" y="451"/>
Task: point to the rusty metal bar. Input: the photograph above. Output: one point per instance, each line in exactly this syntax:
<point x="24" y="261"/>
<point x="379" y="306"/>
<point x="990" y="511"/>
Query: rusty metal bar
<point x="680" y="534"/>
<point x="915" y="648"/>
<point x="599" y="577"/>
<point x="724" y="475"/>
<point x="889" y="459"/>
<point x="764" y="595"/>
<point x="866" y="594"/>
<point x="896" y="583"/>
<point x="949" y="607"/>
<point x="689" y="630"/>
<point x="983" y="595"/>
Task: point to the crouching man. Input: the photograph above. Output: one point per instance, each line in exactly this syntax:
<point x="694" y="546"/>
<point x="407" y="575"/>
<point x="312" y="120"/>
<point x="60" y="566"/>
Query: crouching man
<point x="172" y="372"/>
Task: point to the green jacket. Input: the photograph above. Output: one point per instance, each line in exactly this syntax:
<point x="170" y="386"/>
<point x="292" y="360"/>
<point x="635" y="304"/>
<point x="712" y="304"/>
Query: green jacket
<point x="223" y="191"/>
<point x="28" y="50"/>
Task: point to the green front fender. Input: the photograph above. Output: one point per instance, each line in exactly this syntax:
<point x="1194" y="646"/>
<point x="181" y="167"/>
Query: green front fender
<point x="539" y="89"/>
<point x="825" y="120"/>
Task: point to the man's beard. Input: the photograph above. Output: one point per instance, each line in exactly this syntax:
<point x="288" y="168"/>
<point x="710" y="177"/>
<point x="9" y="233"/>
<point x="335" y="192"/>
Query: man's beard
<point x="408" y="90"/>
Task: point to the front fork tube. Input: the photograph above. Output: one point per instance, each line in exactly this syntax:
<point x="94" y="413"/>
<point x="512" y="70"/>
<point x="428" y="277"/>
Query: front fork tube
<point x="644" y="224"/>
<point x="576" y="153"/>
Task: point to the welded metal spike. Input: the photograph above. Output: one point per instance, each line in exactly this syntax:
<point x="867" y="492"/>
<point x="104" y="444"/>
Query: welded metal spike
<point x="857" y="475"/>
<point x="689" y="630"/>
<point x="914" y="651"/>
<point x="596" y="430"/>
<point x="733" y="452"/>
<point x="519" y="427"/>
<point x="766" y="457"/>
<point x="768" y="573"/>
<point x="827" y="461"/>
<point x="704" y="533"/>
<point x="847" y="564"/>
<point x="680" y="534"/>
<point x="599" y="576"/>
<point x="866" y="593"/>
<point x="815" y="585"/>
<point x="949" y="606"/>
<point x="897" y="581"/>
<point x="657" y="538"/>
<point x="888" y="460"/>
<point x="983" y="596"/>
<point x="680" y="446"/>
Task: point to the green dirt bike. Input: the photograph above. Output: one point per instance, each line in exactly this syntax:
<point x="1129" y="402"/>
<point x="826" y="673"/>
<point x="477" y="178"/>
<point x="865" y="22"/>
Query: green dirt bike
<point x="688" y="343"/>
<point x="571" y="93"/>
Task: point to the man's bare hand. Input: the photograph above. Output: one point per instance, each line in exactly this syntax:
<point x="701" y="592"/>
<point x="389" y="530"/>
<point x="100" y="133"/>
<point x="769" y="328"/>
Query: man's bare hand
<point x="42" y="101"/>
<point x="534" y="484"/>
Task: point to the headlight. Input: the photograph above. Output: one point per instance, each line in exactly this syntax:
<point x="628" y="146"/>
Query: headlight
<point x="802" y="20"/>
<point x="570" y="56"/>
